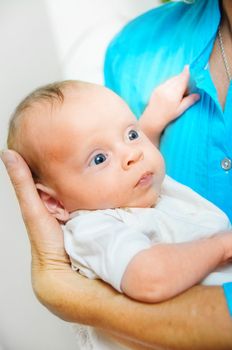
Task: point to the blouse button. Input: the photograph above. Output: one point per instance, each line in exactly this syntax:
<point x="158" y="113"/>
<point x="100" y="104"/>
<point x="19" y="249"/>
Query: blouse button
<point x="226" y="164"/>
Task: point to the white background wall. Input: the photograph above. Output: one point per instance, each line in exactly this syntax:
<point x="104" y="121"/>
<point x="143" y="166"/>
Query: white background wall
<point x="40" y="42"/>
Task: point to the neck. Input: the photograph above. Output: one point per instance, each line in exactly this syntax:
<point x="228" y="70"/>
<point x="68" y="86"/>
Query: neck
<point x="217" y="63"/>
<point x="227" y="14"/>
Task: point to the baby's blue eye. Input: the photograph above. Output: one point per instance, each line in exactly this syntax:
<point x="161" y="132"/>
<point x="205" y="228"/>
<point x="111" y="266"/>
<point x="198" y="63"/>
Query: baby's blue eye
<point x="133" y="134"/>
<point x="98" y="159"/>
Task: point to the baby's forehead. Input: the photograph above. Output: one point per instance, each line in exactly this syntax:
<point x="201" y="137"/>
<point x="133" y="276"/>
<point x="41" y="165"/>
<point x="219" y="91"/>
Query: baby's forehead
<point x="55" y="128"/>
<point x="37" y="115"/>
<point x="83" y="106"/>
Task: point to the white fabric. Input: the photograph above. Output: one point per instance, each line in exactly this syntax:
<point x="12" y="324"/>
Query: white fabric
<point x="101" y="243"/>
<point x="82" y="31"/>
<point x="89" y="338"/>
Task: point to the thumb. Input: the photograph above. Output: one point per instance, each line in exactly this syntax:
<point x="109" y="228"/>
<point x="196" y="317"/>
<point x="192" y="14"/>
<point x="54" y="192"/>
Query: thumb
<point x="41" y="226"/>
<point x="23" y="184"/>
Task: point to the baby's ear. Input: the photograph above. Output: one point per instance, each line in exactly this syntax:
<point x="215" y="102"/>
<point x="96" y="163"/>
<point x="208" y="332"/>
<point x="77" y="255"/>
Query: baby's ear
<point x="54" y="206"/>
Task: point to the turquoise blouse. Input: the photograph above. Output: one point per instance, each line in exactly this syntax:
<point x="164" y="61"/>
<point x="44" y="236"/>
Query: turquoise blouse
<point x="198" y="146"/>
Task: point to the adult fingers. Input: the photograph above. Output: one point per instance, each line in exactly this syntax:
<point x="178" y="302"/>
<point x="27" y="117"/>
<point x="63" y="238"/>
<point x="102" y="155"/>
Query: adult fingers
<point x="41" y="226"/>
<point x="23" y="184"/>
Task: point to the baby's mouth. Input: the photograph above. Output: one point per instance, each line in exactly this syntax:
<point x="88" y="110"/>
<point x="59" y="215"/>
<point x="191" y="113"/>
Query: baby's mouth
<point x="146" y="179"/>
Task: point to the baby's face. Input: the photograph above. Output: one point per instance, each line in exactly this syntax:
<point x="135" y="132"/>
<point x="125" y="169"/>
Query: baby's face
<point x="101" y="159"/>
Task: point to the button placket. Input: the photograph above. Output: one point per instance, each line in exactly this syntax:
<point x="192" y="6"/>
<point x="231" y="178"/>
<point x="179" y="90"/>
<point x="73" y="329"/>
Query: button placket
<point x="226" y="164"/>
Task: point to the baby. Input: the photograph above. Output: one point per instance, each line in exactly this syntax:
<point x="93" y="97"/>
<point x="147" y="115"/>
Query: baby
<point x="98" y="171"/>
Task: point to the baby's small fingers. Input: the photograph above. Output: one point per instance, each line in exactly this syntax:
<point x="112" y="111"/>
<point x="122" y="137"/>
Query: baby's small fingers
<point x="178" y="81"/>
<point x="182" y="78"/>
<point x="187" y="102"/>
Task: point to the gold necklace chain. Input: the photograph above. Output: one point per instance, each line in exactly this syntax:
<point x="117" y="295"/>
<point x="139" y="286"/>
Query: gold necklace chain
<point x="222" y="50"/>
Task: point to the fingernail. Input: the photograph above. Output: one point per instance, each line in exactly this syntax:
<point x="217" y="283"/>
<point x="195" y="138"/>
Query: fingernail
<point x="8" y="157"/>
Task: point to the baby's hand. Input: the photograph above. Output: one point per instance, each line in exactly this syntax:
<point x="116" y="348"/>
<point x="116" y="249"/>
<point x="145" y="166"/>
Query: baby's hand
<point x="225" y="239"/>
<point x="168" y="101"/>
<point x="171" y="97"/>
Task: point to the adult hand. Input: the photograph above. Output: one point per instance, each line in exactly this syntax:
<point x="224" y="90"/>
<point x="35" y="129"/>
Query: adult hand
<point x="52" y="276"/>
<point x="44" y="231"/>
<point x="197" y="319"/>
<point x="64" y="292"/>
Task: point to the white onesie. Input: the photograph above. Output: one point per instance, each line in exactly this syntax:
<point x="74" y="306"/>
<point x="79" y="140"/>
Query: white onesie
<point x="101" y="243"/>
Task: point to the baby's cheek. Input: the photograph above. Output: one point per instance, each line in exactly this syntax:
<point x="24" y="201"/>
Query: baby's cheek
<point x="107" y="195"/>
<point x="159" y="159"/>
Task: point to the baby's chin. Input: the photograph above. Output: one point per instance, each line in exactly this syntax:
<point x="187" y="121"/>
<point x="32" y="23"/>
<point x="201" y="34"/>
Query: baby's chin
<point x="150" y="204"/>
<point x="144" y="202"/>
<point x="147" y="201"/>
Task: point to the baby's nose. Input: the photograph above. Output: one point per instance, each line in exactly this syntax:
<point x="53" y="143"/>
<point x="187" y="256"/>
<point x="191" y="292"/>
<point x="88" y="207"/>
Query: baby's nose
<point x="132" y="158"/>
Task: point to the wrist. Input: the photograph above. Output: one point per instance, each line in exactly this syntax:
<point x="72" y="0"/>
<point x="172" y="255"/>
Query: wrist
<point x="151" y="126"/>
<point x="225" y="241"/>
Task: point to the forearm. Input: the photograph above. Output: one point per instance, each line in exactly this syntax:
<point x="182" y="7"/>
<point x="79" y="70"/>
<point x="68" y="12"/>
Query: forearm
<point x="152" y="127"/>
<point x="165" y="270"/>
<point x="197" y="319"/>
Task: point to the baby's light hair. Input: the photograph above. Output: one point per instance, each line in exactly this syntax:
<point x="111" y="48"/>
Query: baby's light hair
<point x="50" y="93"/>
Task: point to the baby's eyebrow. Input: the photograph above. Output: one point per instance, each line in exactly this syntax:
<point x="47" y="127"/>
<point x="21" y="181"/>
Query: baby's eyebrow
<point x="135" y="124"/>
